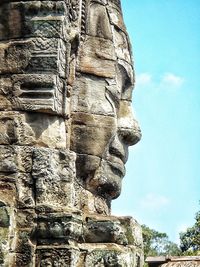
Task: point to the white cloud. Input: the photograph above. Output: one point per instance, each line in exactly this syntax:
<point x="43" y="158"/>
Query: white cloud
<point x="154" y="202"/>
<point x="143" y="79"/>
<point x="171" y="79"/>
<point x="168" y="80"/>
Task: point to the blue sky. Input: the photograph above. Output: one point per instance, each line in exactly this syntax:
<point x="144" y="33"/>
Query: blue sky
<point x="162" y="185"/>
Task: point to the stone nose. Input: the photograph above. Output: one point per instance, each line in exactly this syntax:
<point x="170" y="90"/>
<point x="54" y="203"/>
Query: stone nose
<point x="128" y="127"/>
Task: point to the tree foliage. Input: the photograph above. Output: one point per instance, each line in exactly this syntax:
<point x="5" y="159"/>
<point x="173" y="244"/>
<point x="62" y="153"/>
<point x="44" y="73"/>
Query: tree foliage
<point x="158" y="244"/>
<point x="190" y="239"/>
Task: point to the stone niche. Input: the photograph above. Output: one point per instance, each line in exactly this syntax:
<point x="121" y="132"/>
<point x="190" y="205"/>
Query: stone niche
<point x="66" y="122"/>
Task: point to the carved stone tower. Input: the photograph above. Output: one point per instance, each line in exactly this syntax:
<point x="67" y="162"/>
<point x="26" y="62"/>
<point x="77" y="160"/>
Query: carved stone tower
<point x="66" y="123"/>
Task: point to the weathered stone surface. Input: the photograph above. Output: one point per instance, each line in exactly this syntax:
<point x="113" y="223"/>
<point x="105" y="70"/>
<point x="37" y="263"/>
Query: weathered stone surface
<point x="96" y="56"/>
<point x="88" y="202"/>
<point x="53" y="172"/>
<point x="18" y="189"/>
<point x="26" y="129"/>
<point x="32" y="18"/>
<point x="26" y="218"/>
<point x="58" y="256"/>
<point x="111" y="255"/>
<point x="173" y="261"/>
<point x="15" y="159"/>
<point x="59" y="228"/>
<point x="6" y="220"/>
<point x="42" y="93"/>
<point x="25" y="192"/>
<point x="33" y="56"/>
<point x="96" y="131"/>
<point x="110" y="229"/>
<point x="97" y="23"/>
<point x="14" y="56"/>
<point x="90" y="95"/>
<point x="66" y="123"/>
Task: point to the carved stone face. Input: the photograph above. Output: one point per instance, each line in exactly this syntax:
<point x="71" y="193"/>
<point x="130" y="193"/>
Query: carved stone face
<point x="103" y="126"/>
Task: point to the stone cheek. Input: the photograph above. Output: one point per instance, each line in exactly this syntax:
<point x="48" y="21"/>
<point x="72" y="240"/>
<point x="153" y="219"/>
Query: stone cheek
<point x="94" y="133"/>
<point x="97" y="57"/>
<point x="90" y="95"/>
<point x="66" y="80"/>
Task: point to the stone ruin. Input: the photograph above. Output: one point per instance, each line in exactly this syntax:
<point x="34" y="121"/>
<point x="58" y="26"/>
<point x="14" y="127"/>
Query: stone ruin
<point x="66" y="123"/>
<point x="172" y="261"/>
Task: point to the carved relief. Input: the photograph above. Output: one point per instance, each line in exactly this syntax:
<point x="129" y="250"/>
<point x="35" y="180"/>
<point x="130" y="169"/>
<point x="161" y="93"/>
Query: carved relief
<point x="66" y="123"/>
<point x="101" y="111"/>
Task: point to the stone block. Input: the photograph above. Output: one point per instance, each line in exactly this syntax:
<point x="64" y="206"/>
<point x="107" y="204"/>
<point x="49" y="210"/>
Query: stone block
<point x="110" y="229"/>
<point x="15" y="56"/>
<point x="4" y="244"/>
<point x="125" y="70"/>
<point x="23" y="243"/>
<point x="5" y="93"/>
<point x="25" y="259"/>
<point x="54" y="193"/>
<point x="18" y="188"/>
<point x="53" y="171"/>
<point x="48" y="55"/>
<point x="42" y="93"/>
<point x="33" y="18"/>
<point x="58" y="228"/>
<point x="35" y="55"/>
<point x="111" y="255"/>
<point x="115" y="17"/>
<point x="122" y="45"/>
<point x="57" y="256"/>
<point x="88" y="202"/>
<point x="25" y="191"/>
<point x="15" y="159"/>
<point x="97" y="22"/>
<point x="8" y="191"/>
<point x="33" y="92"/>
<point x="26" y="218"/>
<point x="7" y="128"/>
<point x="133" y="231"/>
<point x="4" y="216"/>
<point x="105" y="229"/>
<point x="6" y="220"/>
<point x="26" y="129"/>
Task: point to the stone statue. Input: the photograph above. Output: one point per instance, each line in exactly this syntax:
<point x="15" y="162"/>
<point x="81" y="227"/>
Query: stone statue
<point x="66" y="123"/>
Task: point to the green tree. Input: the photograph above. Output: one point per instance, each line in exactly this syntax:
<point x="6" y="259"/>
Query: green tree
<point x="158" y="244"/>
<point x="190" y="239"/>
